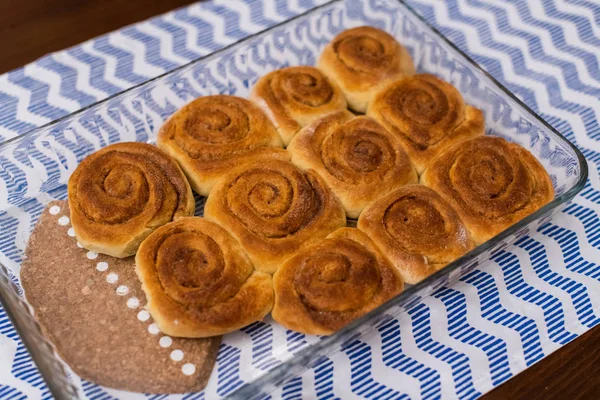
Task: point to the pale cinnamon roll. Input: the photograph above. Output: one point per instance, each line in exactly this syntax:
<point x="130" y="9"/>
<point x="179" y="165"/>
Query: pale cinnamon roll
<point x="121" y="193"/>
<point x="362" y="61"/>
<point x="417" y="230"/>
<point x="427" y="114"/>
<point x="214" y="134"/>
<point x="272" y="208"/>
<point x="358" y="158"/>
<point x="326" y="285"/>
<point x="294" y="97"/>
<point x="490" y="182"/>
<point x="199" y="282"/>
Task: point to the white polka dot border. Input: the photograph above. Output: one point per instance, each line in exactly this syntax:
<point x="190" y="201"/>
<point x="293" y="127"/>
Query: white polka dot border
<point x="102" y="266"/>
<point x="153" y="329"/>
<point x="143" y="315"/>
<point x="122" y="290"/>
<point x="112" y="278"/>
<point x="188" y="369"/>
<point x="177" y="355"/>
<point x="165" y="342"/>
<point x="133" y="302"/>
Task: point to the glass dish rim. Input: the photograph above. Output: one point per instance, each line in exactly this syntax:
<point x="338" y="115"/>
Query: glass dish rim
<point x="247" y="390"/>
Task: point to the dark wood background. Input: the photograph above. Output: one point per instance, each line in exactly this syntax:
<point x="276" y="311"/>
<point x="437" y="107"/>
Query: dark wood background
<point x="31" y="28"/>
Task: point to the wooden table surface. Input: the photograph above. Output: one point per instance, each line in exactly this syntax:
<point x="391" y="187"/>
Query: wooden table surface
<point x="32" y="28"/>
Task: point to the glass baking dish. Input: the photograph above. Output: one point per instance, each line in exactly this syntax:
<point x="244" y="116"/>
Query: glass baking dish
<point x="34" y="168"/>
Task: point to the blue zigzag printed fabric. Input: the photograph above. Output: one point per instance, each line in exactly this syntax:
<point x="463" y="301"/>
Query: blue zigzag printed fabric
<point x="465" y="339"/>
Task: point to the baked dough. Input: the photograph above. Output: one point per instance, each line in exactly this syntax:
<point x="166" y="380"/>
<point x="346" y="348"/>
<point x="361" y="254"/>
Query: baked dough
<point x="294" y="97"/>
<point x="198" y="280"/>
<point x="272" y="208"/>
<point x="491" y="183"/>
<point x="214" y="134"/>
<point x="417" y="230"/>
<point x="326" y="285"/>
<point x="362" y="61"/>
<point x="121" y="193"/>
<point x="427" y="114"/>
<point x="358" y="158"/>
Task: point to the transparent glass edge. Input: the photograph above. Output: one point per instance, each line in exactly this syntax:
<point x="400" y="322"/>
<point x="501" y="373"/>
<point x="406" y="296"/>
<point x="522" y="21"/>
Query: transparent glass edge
<point x="60" y="388"/>
<point x="330" y="342"/>
<point x="130" y="91"/>
<point x="581" y="158"/>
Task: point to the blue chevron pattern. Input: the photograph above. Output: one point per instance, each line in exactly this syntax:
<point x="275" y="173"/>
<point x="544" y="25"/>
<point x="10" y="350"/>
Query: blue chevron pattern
<point x="468" y="336"/>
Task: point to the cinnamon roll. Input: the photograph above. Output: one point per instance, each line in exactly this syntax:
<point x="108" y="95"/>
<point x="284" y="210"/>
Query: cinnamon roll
<point x="326" y="285"/>
<point x="427" y="114"/>
<point x="362" y="61"/>
<point x="294" y="97"/>
<point x="358" y="158"/>
<point x="272" y="208"/>
<point x="417" y="230"/>
<point x="490" y="182"/>
<point x="199" y="282"/>
<point x="213" y="134"/>
<point x="121" y="193"/>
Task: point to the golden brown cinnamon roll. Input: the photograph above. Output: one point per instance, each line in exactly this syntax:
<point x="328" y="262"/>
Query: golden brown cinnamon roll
<point x="427" y="114"/>
<point x="213" y="134"/>
<point x="417" y="230"/>
<point x="490" y="182"/>
<point x="121" y="193"/>
<point x="358" y="158"/>
<point x="294" y="97"/>
<point x="326" y="285"/>
<point x="362" y="61"/>
<point x="198" y="280"/>
<point x="272" y="208"/>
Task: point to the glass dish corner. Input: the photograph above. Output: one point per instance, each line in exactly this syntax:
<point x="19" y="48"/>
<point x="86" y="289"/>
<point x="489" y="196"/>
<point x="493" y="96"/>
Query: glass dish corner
<point x="35" y="167"/>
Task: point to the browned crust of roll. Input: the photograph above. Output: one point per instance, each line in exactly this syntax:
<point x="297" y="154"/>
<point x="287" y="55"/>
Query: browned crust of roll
<point x="293" y="97"/>
<point x="427" y="114"/>
<point x="198" y="280"/>
<point x="362" y="61"/>
<point x="491" y="183"/>
<point x="417" y="230"/>
<point x="272" y="208"/>
<point x="358" y="158"/>
<point x="213" y="134"/>
<point x="326" y="285"/>
<point x="121" y="193"/>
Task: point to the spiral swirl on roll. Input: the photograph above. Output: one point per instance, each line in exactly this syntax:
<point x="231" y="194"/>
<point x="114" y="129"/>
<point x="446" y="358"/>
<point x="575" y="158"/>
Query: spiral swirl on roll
<point x="362" y="61"/>
<point x="121" y="193"/>
<point x="212" y="134"/>
<point x="417" y="230"/>
<point x="358" y="158"/>
<point x="325" y="286"/>
<point x="198" y="280"/>
<point x="272" y="208"/>
<point x="294" y="97"/>
<point x="490" y="182"/>
<point x="427" y="114"/>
